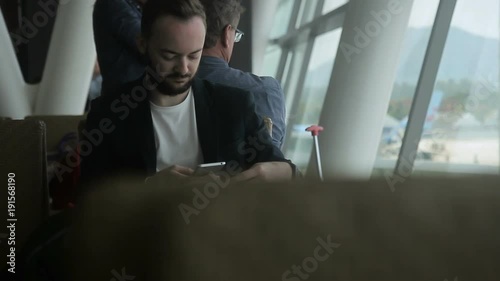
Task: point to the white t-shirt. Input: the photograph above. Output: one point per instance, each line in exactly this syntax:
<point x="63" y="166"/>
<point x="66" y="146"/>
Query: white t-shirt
<point x="176" y="135"/>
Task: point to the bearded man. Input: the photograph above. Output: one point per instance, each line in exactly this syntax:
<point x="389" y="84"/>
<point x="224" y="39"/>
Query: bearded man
<point x="164" y="124"/>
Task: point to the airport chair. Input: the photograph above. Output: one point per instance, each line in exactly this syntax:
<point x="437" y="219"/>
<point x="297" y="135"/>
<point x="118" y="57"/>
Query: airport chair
<point x="23" y="154"/>
<point x="63" y="176"/>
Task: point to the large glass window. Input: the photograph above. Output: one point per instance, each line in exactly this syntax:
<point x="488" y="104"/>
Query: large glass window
<point x="412" y="57"/>
<point x="283" y="16"/>
<point x="291" y="76"/>
<point x="301" y="57"/>
<point x="271" y="60"/>
<point x="299" y="145"/>
<point x="462" y="128"/>
<point x="462" y="124"/>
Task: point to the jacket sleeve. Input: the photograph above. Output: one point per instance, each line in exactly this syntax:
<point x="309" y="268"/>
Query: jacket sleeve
<point x="96" y="158"/>
<point x="125" y="23"/>
<point x="276" y="100"/>
<point x="259" y="142"/>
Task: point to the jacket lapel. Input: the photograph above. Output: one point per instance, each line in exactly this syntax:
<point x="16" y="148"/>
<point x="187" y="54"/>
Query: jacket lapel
<point x="205" y="121"/>
<point x="143" y="132"/>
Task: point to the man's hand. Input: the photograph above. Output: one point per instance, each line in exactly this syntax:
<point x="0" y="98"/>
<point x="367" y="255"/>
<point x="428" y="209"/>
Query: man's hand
<point x="176" y="171"/>
<point x="266" y="171"/>
<point x="181" y="175"/>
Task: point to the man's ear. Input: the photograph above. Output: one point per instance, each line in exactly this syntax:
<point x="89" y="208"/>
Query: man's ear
<point x="141" y="45"/>
<point x="225" y="37"/>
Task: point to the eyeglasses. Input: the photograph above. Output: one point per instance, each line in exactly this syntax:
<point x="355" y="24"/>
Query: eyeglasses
<point x="238" y="35"/>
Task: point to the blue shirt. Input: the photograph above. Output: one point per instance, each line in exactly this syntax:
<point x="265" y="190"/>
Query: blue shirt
<point x="268" y="95"/>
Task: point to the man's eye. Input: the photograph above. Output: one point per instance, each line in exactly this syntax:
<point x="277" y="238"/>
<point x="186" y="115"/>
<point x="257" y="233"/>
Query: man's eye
<point x="194" y="57"/>
<point x="168" y="57"/>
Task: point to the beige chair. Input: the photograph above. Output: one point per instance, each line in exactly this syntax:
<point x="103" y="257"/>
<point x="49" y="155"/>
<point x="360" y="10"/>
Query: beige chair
<point x="23" y="153"/>
<point x="62" y="173"/>
<point x="58" y="126"/>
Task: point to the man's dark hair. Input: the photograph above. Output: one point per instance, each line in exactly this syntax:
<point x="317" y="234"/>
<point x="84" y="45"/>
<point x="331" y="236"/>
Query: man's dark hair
<point x="182" y="9"/>
<point x="220" y="13"/>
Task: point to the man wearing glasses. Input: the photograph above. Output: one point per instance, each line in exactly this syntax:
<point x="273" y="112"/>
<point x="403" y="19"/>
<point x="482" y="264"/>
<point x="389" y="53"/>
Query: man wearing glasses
<point x="223" y="17"/>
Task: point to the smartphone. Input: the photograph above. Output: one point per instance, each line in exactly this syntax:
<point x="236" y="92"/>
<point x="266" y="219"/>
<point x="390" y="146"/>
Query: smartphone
<point x="204" y="169"/>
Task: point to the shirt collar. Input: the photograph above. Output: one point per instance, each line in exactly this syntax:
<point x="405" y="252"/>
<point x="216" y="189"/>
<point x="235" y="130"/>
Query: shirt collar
<point x="214" y="61"/>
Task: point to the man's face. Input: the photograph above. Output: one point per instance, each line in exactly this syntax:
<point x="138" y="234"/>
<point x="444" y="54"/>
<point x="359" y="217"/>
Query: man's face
<point x="174" y="52"/>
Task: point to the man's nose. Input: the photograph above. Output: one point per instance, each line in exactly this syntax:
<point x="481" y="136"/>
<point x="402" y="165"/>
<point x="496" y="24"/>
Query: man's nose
<point x="182" y="66"/>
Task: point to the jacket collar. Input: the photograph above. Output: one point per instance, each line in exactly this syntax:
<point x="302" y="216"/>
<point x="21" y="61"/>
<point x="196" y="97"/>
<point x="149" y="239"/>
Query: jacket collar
<point x="142" y="126"/>
<point x="214" y="62"/>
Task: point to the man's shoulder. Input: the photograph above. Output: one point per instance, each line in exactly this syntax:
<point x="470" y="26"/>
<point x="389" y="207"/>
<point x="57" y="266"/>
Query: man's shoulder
<point x="254" y="79"/>
<point x="222" y="89"/>
<point x="259" y="85"/>
<point x="133" y="91"/>
<point x="244" y="80"/>
<point x="222" y="94"/>
<point x="270" y="81"/>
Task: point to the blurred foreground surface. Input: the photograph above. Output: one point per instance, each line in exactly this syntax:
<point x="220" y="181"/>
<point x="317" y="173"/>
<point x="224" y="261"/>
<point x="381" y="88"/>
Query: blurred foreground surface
<point x="352" y="231"/>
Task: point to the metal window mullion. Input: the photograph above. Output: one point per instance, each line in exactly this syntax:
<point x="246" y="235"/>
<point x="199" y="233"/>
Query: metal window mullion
<point x="319" y="8"/>
<point x="282" y="64"/>
<point x="286" y="86"/>
<point x="300" y="83"/>
<point x="289" y="69"/>
<point x="425" y="87"/>
<point x="322" y="24"/>
<point x="284" y="47"/>
<point x="297" y="32"/>
<point x="293" y="17"/>
<point x="313" y="25"/>
<point x="330" y="23"/>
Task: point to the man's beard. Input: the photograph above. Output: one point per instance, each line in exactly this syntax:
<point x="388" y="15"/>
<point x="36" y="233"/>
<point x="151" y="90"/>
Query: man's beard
<point x="164" y="87"/>
<point x="167" y="89"/>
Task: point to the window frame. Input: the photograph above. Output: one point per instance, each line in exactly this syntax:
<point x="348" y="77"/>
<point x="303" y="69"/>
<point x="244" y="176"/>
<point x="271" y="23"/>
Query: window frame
<point x="319" y="25"/>
<point x="322" y="23"/>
